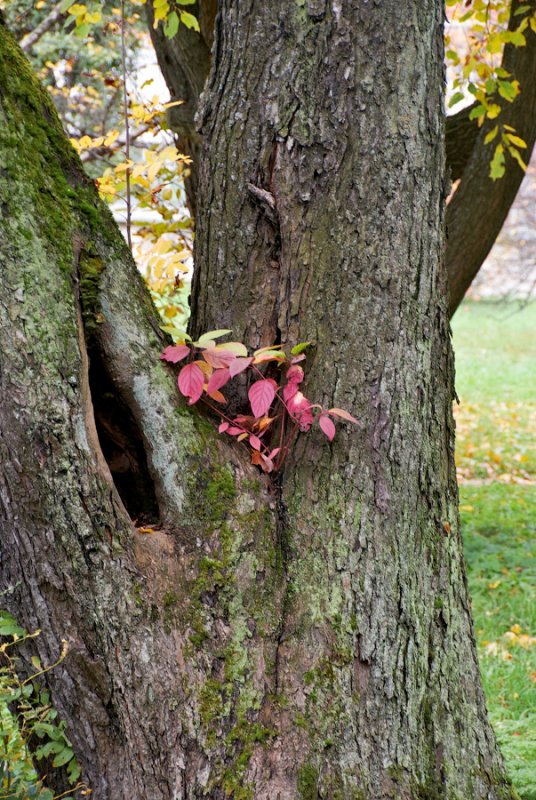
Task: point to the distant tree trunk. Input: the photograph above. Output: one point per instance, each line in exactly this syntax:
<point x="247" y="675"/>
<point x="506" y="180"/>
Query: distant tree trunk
<point x="307" y="636"/>
<point x="480" y="205"/>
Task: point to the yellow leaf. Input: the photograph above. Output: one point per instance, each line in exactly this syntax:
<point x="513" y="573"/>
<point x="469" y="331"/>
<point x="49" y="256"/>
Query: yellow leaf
<point x="77" y="10"/>
<point x="111" y="138"/>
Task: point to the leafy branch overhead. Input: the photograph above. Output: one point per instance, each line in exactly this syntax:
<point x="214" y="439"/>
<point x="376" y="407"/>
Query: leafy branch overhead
<point x="489" y="26"/>
<point x="278" y="408"/>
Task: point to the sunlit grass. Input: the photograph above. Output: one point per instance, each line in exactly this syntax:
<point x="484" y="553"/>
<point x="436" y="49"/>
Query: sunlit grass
<point x="496" y="435"/>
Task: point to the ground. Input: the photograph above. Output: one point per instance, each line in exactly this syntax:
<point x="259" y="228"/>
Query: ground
<point x="495" y="348"/>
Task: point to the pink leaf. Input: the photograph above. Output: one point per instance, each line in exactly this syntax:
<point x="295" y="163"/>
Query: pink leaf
<point x="175" y="352"/>
<point x="223" y="427"/>
<point x="234" y="431"/>
<point x="300" y="409"/>
<point x="274" y="452"/>
<point x="239" y="365"/>
<point x="327" y="426"/>
<point x="218" y="359"/>
<point x="218" y="379"/>
<point x="261" y="395"/>
<point x="295" y="374"/>
<point x="265" y="463"/>
<point x="191" y="381"/>
<point x="340" y="412"/>
<point x="255" y="442"/>
<point x="297" y="359"/>
<point x="289" y="391"/>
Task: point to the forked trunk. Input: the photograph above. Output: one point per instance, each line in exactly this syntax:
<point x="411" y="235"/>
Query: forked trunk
<point x="303" y="637"/>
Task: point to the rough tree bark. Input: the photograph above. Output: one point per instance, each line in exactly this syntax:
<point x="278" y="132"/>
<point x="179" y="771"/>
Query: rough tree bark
<point x="304" y="637"/>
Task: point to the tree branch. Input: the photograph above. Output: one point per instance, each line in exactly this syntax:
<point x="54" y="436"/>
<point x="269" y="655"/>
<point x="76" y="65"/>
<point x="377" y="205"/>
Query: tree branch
<point x="185" y="63"/>
<point x="28" y="41"/>
<point x="478" y="209"/>
<point x="461" y="136"/>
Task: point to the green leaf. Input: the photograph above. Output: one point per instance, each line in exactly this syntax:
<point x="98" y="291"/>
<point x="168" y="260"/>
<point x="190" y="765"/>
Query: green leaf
<point x="521" y="10"/>
<point x="186" y="2"/>
<point x="9" y="626"/>
<point x="82" y="30"/>
<point x="491" y="135"/>
<point x="516" y="38"/>
<point x="172" y="25"/>
<point x="189" y="20"/>
<point x="497" y="166"/>
<point x="456" y="98"/>
<point x="477" y="112"/>
<point x="299" y="348"/>
<point x="65" y="6"/>
<point x="491" y="85"/>
<point x="63" y="757"/>
<point x="210" y="335"/>
<point x="507" y="90"/>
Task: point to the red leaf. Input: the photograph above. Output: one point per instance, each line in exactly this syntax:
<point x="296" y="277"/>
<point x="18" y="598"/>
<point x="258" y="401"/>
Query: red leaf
<point x="191" y="381"/>
<point x="234" y="431"/>
<point x="255" y="442"/>
<point x="219" y="359"/>
<point x="261" y="395"/>
<point x="223" y="427"/>
<point x="327" y="426"/>
<point x="175" y="352"/>
<point x="218" y="379"/>
<point x="239" y="365"/>
<point x="340" y="412"/>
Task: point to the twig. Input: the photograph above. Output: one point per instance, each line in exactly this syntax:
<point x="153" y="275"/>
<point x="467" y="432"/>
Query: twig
<point x="127" y="130"/>
<point x="28" y="41"/>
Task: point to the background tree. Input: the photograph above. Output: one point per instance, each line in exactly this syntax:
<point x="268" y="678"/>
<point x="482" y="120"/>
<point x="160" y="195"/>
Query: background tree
<point x="305" y="637"/>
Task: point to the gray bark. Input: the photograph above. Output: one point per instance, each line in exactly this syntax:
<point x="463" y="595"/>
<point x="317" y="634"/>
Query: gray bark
<point x="305" y="637"/>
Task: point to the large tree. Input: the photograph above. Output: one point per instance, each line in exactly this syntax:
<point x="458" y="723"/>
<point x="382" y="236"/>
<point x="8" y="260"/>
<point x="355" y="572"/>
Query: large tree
<point x="307" y="636"/>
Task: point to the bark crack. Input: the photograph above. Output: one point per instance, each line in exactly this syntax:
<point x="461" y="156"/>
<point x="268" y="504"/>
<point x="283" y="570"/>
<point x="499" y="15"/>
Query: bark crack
<point x="283" y="550"/>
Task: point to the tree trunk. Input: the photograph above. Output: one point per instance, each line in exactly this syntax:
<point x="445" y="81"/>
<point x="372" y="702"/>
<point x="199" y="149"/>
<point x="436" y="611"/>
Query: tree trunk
<point x="307" y="636"/>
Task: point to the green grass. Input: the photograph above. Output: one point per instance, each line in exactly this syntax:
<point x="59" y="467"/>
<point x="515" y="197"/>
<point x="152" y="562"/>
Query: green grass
<point x="496" y="352"/>
<point x="496" y="433"/>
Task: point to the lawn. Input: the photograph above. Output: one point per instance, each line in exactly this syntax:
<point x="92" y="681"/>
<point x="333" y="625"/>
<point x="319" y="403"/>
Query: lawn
<point x="496" y="458"/>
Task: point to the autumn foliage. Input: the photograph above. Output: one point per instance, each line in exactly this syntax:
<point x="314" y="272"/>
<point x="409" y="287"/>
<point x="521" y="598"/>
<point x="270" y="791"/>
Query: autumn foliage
<point x="278" y="408"/>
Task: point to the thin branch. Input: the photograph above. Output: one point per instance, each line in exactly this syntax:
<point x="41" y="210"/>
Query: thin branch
<point x="28" y="41"/>
<point x="127" y="129"/>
